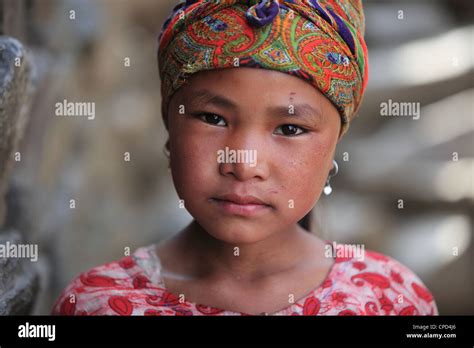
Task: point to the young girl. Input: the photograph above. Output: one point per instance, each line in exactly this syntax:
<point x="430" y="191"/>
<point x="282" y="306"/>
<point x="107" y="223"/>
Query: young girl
<point x="256" y="95"/>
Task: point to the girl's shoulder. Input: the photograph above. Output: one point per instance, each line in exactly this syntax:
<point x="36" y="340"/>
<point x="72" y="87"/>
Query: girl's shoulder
<point x="108" y="288"/>
<point x="381" y="285"/>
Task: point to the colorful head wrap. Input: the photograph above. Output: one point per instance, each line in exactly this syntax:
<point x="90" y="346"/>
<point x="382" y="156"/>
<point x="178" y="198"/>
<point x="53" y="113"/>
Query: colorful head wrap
<point x="320" y="41"/>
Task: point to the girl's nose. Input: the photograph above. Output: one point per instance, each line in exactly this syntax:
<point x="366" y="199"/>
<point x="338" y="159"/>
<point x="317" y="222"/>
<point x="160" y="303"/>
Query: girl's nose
<point x="243" y="163"/>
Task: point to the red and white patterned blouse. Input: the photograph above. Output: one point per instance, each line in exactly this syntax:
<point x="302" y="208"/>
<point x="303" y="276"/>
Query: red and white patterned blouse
<point x="378" y="285"/>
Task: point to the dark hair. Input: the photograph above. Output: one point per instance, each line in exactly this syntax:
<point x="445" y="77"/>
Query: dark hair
<point x="305" y="222"/>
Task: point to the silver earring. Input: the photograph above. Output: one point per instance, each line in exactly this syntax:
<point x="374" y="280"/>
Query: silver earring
<point x="332" y="173"/>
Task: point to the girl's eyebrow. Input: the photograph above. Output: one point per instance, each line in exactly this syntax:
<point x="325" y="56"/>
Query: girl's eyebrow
<point x="301" y="111"/>
<point x="204" y="96"/>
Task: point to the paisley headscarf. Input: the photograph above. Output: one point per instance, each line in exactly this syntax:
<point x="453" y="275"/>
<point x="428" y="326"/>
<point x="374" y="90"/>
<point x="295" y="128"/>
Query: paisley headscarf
<point x="320" y="41"/>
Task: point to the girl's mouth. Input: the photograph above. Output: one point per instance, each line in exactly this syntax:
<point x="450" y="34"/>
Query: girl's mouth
<point x="244" y="209"/>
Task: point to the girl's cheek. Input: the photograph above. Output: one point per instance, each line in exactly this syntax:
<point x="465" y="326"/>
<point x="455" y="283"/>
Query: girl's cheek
<point x="306" y="173"/>
<point x="195" y="159"/>
<point x="202" y="151"/>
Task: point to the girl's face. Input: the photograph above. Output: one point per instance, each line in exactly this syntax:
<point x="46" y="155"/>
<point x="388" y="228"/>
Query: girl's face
<point x="250" y="132"/>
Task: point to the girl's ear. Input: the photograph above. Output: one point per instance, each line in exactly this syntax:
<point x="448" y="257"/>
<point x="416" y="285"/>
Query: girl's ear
<point x="165" y="120"/>
<point x="166" y="149"/>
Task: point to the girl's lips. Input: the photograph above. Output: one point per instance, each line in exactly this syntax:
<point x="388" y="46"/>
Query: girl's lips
<point x="238" y="199"/>
<point x="250" y="209"/>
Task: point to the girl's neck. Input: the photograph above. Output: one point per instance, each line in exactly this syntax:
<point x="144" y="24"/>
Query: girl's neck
<point x="283" y="251"/>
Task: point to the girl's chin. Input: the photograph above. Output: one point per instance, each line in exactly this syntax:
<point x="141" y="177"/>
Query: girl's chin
<point x="238" y="234"/>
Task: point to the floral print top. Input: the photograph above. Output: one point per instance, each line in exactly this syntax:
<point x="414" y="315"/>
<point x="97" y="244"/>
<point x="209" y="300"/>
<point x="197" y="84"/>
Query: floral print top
<point x="376" y="285"/>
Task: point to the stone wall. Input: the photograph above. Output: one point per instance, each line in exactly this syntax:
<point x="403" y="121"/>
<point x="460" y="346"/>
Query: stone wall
<point x="19" y="280"/>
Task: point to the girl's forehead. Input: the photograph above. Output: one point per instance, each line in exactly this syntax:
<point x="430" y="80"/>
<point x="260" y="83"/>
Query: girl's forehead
<point x="250" y="83"/>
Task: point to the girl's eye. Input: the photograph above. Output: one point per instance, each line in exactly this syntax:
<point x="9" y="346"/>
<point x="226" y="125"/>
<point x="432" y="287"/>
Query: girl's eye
<point x="210" y="118"/>
<point x="291" y="130"/>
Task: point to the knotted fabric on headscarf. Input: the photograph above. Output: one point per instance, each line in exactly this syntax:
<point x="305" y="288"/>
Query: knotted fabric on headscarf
<point x="320" y="41"/>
